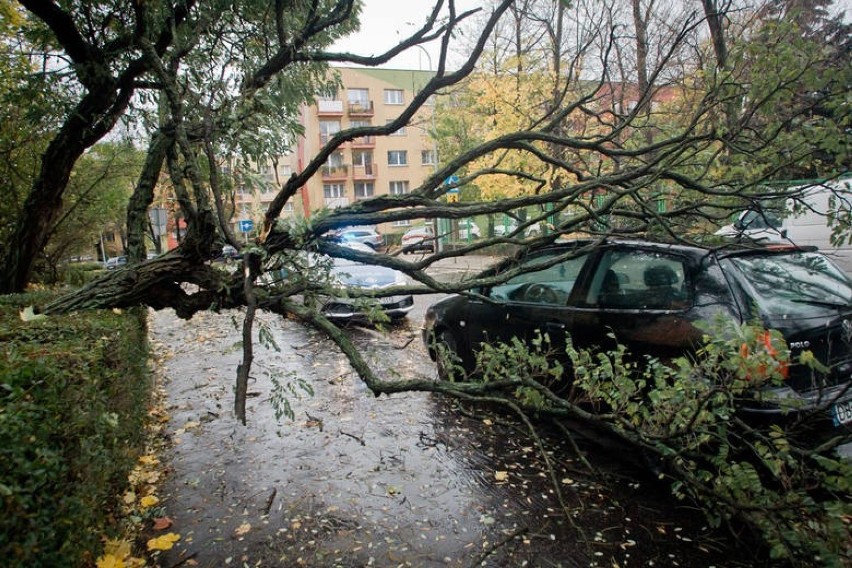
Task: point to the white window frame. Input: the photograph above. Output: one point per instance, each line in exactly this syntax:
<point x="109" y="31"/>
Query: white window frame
<point x="402" y="158"/>
<point x="394" y="97"/>
<point x="358" y="99"/>
<point x="398" y="187"/>
<point x="333" y="190"/>
<point x="398" y="132"/>
<point x="364" y="185"/>
<point x="428" y="157"/>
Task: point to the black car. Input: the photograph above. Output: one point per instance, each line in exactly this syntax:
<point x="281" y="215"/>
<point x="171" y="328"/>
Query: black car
<point x="651" y="296"/>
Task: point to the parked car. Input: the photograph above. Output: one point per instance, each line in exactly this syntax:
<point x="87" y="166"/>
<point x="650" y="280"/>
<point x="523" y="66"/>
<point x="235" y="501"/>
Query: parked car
<point x="355" y="278"/>
<point x="803" y="222"/>
<point x="368" y="237"/>
<point x="502" y="229"/>
<point x="652" y="295"/>
<point x="115" y="261"/>
<point x="417" y="239"/>
<point x="468" y="229"/>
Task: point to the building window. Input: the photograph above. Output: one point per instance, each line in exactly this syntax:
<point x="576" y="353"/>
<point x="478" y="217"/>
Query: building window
<point x="328" y="128"/>
<point x="333" y="190"/>
<point x="364" y="189"/>
<point x="398" y="187"/>
<point x="399" y="132"/>
<point x="358" y="123"/>
<point x="394" y="97"/>
<point x="428" y="158"/>
<point x="397" y="158"/>
<point x="359" y="97"/>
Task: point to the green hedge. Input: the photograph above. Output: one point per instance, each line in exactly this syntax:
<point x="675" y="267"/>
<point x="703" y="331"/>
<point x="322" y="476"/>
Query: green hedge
<point x="74" y="393"/>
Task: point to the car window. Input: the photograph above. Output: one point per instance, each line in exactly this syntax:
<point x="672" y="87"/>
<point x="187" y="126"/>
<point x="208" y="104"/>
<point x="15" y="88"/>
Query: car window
<point x="798" y="284"/>
<point x="639" y="279"/>
<point x="552" y="284"/>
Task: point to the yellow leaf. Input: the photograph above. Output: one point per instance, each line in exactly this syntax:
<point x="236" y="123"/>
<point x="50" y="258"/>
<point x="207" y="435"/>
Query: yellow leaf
<point x="118" y="548"/>
<point x="242" y="529"/>
<point x="487" y="422"/>
<point x="148" y="460"/>
<point x="148" y="501"/>
<point x="501" y="475"/>
<point x="109" y="561"/>
<point x="567" y="481"/>
<point x="191" y="425"/>
<point x="165" y="542"/>
<point x="129" y="498"/>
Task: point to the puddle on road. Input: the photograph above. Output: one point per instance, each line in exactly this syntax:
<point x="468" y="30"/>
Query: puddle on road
<point x="405" y="480"/>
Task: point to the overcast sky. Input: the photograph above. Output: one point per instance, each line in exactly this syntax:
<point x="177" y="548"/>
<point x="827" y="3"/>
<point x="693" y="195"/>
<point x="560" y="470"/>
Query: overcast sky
<point x="385" y="22"/>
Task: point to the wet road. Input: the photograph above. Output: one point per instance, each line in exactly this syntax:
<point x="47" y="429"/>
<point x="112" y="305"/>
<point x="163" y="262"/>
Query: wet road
<point x="405" y="480"/>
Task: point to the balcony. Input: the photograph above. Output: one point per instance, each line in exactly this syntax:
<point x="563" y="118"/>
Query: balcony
<point x="364" y="142"/>
<point x="364" y="171"/>
<point x="335" y="172"/>
<point x="330" y="108"/>
<point x="334" y="202"/>
<point x="360" y="108"/>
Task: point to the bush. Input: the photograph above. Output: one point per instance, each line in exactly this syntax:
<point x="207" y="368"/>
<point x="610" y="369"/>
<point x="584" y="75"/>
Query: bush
<point x="74" y="394"/>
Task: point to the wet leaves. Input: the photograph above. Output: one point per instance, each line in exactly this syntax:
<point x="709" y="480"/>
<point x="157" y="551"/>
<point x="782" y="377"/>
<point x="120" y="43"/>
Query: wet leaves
<point x="164" y="542"/>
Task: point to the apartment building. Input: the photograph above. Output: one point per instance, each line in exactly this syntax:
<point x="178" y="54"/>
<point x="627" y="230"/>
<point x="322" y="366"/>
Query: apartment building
<point x="365" y="167"/>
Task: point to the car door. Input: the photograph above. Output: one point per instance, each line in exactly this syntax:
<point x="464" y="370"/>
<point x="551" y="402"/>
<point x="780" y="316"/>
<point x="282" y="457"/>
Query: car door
<point x="532" y="301"/>
<point x="642" y="296"/>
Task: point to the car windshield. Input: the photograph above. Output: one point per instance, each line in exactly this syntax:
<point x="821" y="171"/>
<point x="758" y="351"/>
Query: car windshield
<point x="798" y="284"/>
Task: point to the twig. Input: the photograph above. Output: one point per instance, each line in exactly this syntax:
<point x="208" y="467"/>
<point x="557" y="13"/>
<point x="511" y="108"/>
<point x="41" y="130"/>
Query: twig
<point x="490" y="550"/>
<point x="184" y="560"/>
<point x="270" y="500"/>
<point x="353" y="436"/>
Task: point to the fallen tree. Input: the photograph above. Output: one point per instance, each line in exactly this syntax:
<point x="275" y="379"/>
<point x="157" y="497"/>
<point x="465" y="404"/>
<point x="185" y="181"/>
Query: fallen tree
<point x="591" y="155"/>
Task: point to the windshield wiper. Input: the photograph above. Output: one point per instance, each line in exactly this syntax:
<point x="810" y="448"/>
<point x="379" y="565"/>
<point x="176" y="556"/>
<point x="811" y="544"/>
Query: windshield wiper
<point x="824" y="304"/>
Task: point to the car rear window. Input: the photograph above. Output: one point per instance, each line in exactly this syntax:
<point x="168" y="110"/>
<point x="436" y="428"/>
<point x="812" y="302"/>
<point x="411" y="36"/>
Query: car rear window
<point x="636" y="279"/>
<point x="795" y="284"/>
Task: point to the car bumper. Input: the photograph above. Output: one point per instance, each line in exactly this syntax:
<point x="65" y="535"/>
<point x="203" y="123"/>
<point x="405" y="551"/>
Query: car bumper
<point x="392" y="306"/>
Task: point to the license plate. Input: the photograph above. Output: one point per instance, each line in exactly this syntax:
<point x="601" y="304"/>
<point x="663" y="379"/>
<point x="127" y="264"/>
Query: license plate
<point x="842" y="412"/>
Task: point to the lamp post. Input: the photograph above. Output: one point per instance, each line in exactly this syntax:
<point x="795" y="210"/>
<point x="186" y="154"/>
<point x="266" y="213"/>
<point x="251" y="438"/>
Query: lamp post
<point x="440" y="229"/>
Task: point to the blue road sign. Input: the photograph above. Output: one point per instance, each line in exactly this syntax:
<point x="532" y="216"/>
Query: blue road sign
<point x="246" y="225"/>
<point x="452" y="180"/>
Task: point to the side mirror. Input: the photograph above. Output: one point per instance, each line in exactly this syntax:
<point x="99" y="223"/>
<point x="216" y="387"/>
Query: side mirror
<point x="783" y="233"/>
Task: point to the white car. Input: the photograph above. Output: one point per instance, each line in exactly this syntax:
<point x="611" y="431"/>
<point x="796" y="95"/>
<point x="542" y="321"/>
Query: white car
<point x="468" y="230"/>
<point x="756" y="226"/>
<point x="418" y="238"/>
<point x="353" y="278"/>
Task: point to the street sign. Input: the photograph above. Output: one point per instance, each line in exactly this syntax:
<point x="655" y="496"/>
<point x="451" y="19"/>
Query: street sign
<point x="452" y="180"/>
<point x="246" y="225"/>
<point x="452" y="197"/>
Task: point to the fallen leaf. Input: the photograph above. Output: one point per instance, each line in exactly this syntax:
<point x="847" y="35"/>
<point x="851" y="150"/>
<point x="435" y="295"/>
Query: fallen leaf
<point x="487" y="422"/>
<point x="162" y="523"/>
<point x="148" y="460"/>
<point x="109" y="561"/>
<point x="567" y="481"/>
<point x="148" y="501"/>
<point x="165" y="542"/>
<point x="501" y="475"/>
<point x="129" y="498"/>
<point x="242" y="529"/>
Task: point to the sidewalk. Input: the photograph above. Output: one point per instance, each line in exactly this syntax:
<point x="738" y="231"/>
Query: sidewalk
<point x="461" y="267"/>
